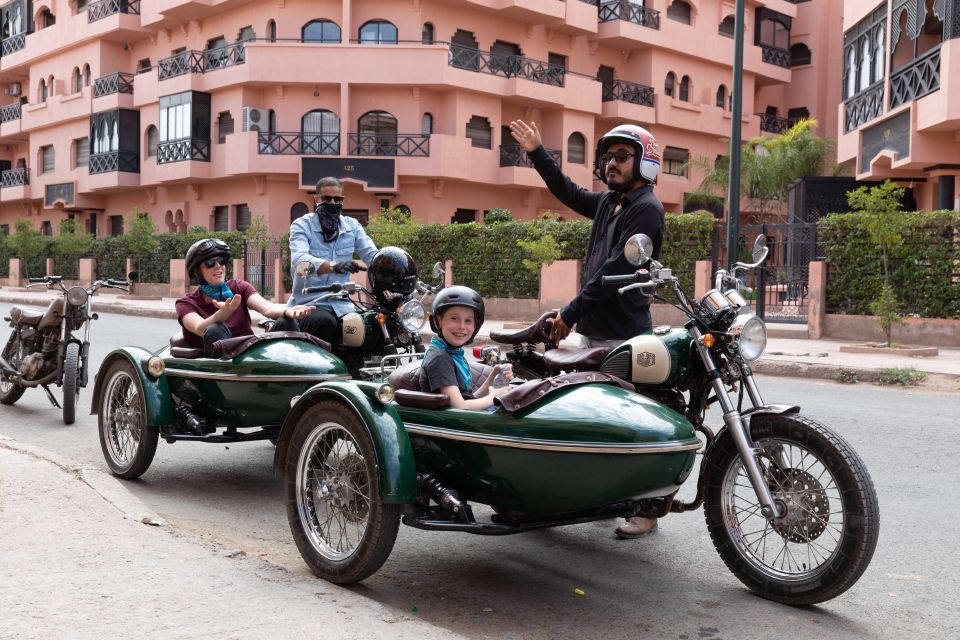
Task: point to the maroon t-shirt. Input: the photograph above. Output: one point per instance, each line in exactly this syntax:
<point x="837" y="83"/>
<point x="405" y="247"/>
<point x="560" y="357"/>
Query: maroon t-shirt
<point x="238" y="323"/>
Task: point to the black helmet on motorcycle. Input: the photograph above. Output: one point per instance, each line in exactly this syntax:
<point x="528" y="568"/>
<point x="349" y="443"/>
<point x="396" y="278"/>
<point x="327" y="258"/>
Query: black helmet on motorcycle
<point x="201" y="251"/>
<point x="394" y="270"/>
<point x="646" y="164"/>
<point x="456" y="296"/>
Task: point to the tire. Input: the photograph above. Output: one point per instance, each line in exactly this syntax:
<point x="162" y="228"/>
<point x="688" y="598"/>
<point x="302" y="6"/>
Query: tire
<point x="10" y="391"/>
<point x="828" y="536"/>
<point x="127" y="440"/>
<point x="342" y="528"/>
<point x="71" y="374"/>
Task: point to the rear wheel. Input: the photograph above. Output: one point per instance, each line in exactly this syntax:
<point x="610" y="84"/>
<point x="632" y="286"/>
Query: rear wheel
<point x="825" y="540"/>
<point x="10" y="391"/>
<point x="128" y="441"/>
<point x="342" y="528"/>
<point x="71" y="374"/>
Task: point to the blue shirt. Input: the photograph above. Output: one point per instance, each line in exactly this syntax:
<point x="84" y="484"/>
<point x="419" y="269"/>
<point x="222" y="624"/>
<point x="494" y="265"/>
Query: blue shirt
<point x="307" y="244"/>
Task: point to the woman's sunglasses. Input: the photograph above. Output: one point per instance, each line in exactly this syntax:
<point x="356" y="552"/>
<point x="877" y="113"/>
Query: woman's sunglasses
<point x="337" y="199"/>
<point x="212" y="262"/>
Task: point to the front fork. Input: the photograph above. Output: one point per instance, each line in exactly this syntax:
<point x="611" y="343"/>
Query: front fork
<point x="739" y="429"/>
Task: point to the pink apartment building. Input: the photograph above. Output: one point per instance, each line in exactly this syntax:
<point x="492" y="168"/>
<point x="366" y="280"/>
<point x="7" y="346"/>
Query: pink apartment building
<point x="209" y="112"/>
<point x="900" y="118"/>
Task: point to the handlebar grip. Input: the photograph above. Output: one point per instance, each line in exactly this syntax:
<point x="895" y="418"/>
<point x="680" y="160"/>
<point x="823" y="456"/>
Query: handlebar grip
<point x="326" y="287"/>
<point x="641" y="275"/>
<point x="43" y="279"/>
<point x="118" y="283"/>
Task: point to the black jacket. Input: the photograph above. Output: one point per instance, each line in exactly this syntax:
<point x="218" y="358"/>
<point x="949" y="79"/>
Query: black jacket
<point x="599" y="311"/>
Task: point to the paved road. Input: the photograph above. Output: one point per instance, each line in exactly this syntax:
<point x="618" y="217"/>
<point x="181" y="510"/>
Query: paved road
<point x="670" y="586"/>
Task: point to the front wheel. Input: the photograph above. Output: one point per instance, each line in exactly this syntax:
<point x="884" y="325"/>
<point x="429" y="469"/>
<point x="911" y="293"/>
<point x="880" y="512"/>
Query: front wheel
<point x="71" y="373"/>
<point x="128" y="441"/>
<point x="10" y="391"/>
<point x="825" y="540"/>
<point x="343" y="530"/>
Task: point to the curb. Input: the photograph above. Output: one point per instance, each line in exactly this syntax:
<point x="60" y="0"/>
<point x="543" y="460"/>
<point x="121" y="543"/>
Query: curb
<point x="103" y="307"/>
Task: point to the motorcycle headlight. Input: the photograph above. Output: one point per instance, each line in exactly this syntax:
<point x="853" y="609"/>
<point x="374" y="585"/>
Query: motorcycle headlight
<point x="77" y="296"/>
<point x="412" y="315"/>
<point x="751" y="336"/>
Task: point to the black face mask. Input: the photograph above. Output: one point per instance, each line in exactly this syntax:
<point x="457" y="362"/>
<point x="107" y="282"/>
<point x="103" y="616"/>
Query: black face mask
<point x="329" y="214"/>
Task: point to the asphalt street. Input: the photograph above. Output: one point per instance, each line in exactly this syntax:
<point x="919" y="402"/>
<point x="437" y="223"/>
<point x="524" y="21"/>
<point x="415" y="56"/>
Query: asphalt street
<point x="671" y="585"/>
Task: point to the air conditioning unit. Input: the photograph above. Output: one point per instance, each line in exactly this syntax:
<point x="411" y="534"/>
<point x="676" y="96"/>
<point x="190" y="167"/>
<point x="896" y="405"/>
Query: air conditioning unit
<point x="14" y="89"/>
<point x="255" y="119"/>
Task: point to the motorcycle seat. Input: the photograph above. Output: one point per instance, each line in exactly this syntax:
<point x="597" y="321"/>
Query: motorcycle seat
<point x="575" y="359"/>
<point x="180" y="348"/>
<point x="23" y="315"/>
<point x="539" y="331"/>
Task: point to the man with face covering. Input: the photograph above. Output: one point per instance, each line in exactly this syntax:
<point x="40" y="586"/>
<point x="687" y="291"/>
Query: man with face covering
<point x="628" y="161"/>
<point x="329" y="240"/>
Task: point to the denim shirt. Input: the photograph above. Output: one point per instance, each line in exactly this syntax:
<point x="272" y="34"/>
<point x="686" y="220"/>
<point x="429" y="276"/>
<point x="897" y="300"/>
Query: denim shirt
<point x="307" y="244"/>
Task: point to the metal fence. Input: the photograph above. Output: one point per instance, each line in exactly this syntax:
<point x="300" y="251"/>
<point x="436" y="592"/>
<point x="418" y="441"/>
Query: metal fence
<point x="258" y="266"/>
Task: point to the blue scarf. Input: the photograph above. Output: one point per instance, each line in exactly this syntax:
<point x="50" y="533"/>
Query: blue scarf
<point x="461" y="362"/>
<point x="216" y="291"/>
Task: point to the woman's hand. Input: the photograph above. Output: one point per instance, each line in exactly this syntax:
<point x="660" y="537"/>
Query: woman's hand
<point x="226" y="309"/>
<point x="526" y="134"/>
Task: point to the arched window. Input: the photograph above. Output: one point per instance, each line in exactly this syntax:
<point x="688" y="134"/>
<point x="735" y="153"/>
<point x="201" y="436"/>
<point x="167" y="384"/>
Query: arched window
<point x="727" y="26"/>
<point x="851" y="71"/>
<point x="774" y="33"/>
<point x="76" y="81"/>
<point x="42" y="90"/>
<point x="272" y="30"/>
<point x="298" y="209"/>
<point x="321" y="31"/>
<point x="878" y="57"/>
<point x="685" y="89"/>
<point x="427" y="34"/>
<point x="426" y="124"/>
<point x="679" y="11"/>
<point x="722" y="97"/>
<point x="50" y="86"/>
<point x="321" y="132"/>
<point x="378" y="32"/>
<point x="577" y="148"/>
<point x="479" y="132"/>
<point x="866" y="61"/>
<point x="799" y="54"/>
<point x="668" y="84"/>
<point x="153" y="139"/>
<point x="377" y="134"/>
<point x="86" y="75"/>
<point x="46" y="19"/>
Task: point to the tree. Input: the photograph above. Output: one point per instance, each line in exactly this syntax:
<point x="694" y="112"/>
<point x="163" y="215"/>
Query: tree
<point x="73" y="241"/>
<point x="140" y="236"/>
<point x="881" y="208"/>
<point x="258" y="234"/>
<point x="26" y="242"/>
<point x="543" y="250"/>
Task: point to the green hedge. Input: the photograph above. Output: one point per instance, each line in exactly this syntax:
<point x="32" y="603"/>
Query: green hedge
<point x="925" y="269"/>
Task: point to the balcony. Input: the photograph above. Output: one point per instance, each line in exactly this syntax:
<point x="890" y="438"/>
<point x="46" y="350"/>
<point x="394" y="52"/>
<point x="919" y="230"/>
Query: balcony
<point x="920" y="77"/>
<point x="863" y="107"/>
<point x="182" y="150"/>
<point x="114" y="83"/>
<point x="401" y="144"/>
<point x="611" y="10"/>
<point x="772" y="123"/>
<point x="297" y="143"/>
<point x="776" y="56"/>
<point x="513" y="155"/>
<point x="128" y="161"/>
<point x="201" y="61"/>
<point x="624" y="91"/>
<point x="10" y="112"/>
<point x="506" y="66"/>
<point x="13" y="44"/>
<point x="15" y="178"/>
<point x="105" y="8"/>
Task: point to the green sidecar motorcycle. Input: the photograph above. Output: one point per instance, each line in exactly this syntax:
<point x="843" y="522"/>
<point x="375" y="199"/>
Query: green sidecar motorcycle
<point x="788" y="503"/>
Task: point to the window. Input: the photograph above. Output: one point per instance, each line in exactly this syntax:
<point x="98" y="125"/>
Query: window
<point x="48" y="159"/>
<point x="42" y="90"/>
<point x="377" y="133"/>
<point x="796" y="115"/>
<point x="722" y="97"/>
<point x="116" y="226"/>
<point x="46" y="228"/>
<point x="243" y="217"/>
<point x="503" y="57"/>
<point x="674" y="160"/>
<point x="321" y="132"/>
<point x="799" y="54"/>
<point x="668" y="84"/>
<point x="427" y="33"/>
<point x="153" y="138"/>
<point x="47" y="19"/>
<point x="321" y="31"/>
<point x="479" y="132"/>
<point x="685" y="89"/>
<point x="224" y="126"/>
<point x="246" y="34"/>
<point x="81" y="152"/>
<point x="76" y="81"/>
<point x="463" y="216"/>
<point x="143" y="65"/>
<point x="774" y="30"/>
<point x="185" y="115"/>
<point x="879" y="48"/>
<point x="272" y="30"/>
<point x="360" y="215"/>
<point x="577" y="148"/>
<point x="221" y="218"/>
<point x="464" y="51"/>
<point x="679" y="11"/>
<point x="727" y="26"/>
<point x="378" y="32"/>
<point x="4" y="229"/>
<point x="106" y="135"/>
<point x="850" y="74"/>
<point x="297" y="210"/>
<point x="426" y="125"/>
<point x="86" y="75"/>
<point x="82" y="5"/>
<point x="866" y="63"/>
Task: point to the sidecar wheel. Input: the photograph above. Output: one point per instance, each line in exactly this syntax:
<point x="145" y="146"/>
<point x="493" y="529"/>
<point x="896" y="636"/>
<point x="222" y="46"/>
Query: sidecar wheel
<point x="827" y="538"/>
<point x="342" y="528"/>
<point x="127" y="440"/>
<point x="10" y="391"/>
<point x="71" y="375"/>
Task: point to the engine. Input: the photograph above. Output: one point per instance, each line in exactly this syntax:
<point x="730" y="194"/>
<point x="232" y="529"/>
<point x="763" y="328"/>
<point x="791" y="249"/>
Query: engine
<point x="32" y="366"/>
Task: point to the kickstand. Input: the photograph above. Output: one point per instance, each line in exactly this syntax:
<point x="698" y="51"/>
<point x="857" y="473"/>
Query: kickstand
<point x="53" y="400"/>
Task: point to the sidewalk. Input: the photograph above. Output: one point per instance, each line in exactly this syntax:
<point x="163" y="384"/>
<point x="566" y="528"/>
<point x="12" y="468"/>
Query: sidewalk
<point x="785" y="356"/>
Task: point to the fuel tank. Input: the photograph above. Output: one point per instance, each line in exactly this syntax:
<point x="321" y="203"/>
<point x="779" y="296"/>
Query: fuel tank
<point x="660" y="359"/>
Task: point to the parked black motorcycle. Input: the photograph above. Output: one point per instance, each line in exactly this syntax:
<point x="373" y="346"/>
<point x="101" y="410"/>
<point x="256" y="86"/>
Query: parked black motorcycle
<point x="42" y="348"/>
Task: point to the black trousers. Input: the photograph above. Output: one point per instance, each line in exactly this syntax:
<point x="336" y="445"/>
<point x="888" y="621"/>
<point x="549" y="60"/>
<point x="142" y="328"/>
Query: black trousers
<point x="322" y="322"/>
<point x="218" y="331"/>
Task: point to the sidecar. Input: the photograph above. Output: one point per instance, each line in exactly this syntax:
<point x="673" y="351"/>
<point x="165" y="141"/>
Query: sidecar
<point x="563" y="450"/>
<point x="176" y="394"/>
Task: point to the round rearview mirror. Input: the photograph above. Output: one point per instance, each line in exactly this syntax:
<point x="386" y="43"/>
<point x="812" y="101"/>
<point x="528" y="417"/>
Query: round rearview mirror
<point x="133" y="276"/>
<point x="438" y="270"/>
<point x="639" y="249"/>
<point x="760" y="249"/>
<point x="305" y="269"/>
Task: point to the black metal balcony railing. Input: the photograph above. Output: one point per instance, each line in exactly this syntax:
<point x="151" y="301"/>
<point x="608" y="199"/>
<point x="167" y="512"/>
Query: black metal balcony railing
<point x="628" y="12"/>
<point x="15" y="177"/>
<point x="773" y="123"/>
<point x="513" y="155"/>
<point x="918" y="79"/>
<point x="201" y="61"/>
<point x="401" y="144"/>
<point x="776" y="55"/>
<point x="628" y="92"/>
<point x="114" y="83"/>
<point x="183" y="149"/>
<point x="128" y="161"/>
<point x="10" y="112"/>
<point x="104" y="8"/>
<point x="863" y="107"/>
<point x="507" y="66"/>
<point x="297" y="143"/>
<point x="13" y="44"/>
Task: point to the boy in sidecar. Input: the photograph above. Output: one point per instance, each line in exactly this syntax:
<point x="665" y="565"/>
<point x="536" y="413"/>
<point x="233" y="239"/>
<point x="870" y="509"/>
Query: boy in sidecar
<point x="456" y="315"/>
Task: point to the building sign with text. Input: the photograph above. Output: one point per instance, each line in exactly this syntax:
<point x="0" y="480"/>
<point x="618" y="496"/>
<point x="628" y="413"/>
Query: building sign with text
<point x="376" y="173"/>
<point x="889" y="135"/>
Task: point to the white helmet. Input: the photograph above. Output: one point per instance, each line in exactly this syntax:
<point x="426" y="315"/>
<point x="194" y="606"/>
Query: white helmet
<point x="647" y="161"/>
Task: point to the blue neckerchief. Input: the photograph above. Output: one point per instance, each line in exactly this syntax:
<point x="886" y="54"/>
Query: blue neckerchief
<point x="461" y="362"/>
<point x="216" y="291"/>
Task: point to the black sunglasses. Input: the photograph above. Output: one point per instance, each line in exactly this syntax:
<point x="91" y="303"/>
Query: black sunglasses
<point x="337" y="199"/>
<point x="620" y="156"/>
<point x="212" y="262"/>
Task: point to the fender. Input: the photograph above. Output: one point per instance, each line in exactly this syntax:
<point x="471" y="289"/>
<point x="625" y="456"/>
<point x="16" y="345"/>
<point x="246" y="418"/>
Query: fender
<point x="156" y="393"/>
<point x="394" y="452"/>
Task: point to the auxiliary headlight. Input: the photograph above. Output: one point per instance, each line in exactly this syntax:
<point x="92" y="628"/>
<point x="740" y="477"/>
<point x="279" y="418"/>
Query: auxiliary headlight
<point x="751" y="336"/>
<point x="413" y="315"/>
<point x="385" y="393"/>
<point x="155" y="366"/>
<point x="77" y="296"/>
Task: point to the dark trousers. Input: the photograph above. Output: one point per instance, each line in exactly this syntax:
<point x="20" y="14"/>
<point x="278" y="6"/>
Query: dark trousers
<point x="322" y="322"/>
<point x="218" y="331"/>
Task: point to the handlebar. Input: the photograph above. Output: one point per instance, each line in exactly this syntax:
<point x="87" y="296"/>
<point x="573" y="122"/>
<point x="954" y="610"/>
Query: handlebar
<point x="641" y="275"/>
<point x="319" y="289"/>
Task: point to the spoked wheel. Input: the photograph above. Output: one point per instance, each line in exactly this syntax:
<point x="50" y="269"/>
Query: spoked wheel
<point x="71" y="374"/>
<point x="10" y="391"/>
<point x="128" y="441"/>
<point x="825" y="540"/>
<point x="342" y="528"/>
